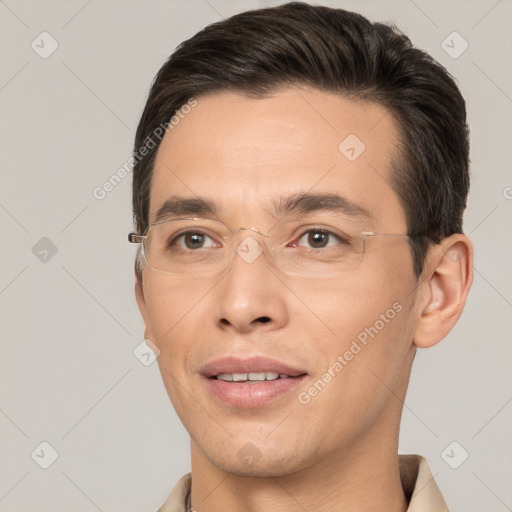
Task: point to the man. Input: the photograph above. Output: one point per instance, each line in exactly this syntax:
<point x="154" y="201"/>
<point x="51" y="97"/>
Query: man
<point x="300" y="179"/>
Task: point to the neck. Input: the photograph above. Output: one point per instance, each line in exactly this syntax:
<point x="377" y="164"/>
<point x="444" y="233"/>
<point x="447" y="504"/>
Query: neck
<point x="364" y="478"/>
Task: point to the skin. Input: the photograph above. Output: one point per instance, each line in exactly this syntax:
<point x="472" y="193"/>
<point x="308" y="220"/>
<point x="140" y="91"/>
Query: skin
<point x="339" y="451"/>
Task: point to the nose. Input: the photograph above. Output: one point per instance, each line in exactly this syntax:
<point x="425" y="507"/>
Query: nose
<point x="250" y="296"/>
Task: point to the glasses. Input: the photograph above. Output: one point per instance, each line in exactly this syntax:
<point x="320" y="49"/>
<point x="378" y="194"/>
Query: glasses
<point x="299" y="247"/>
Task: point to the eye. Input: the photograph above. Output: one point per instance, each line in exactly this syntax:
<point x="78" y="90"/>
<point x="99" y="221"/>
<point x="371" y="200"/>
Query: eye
<point x="191" y="240"/>
<point x="320" y="238"/>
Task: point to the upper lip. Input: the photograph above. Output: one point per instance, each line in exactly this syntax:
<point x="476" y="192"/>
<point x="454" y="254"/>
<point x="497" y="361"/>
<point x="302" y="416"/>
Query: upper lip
<point x="248" y="365"/>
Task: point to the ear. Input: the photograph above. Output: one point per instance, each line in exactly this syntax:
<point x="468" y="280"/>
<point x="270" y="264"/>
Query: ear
<point x="141" y="303"/>
<point x="445" y="284"/>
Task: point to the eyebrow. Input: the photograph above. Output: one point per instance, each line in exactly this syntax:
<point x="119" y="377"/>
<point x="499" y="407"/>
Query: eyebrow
<point x="317" y="202"/>
<point x="298" y="203"/>
<point x="177" y="206"/>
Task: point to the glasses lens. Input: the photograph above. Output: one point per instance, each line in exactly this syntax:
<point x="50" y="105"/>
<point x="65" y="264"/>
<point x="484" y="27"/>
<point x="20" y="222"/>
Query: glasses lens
<point x="316" y="249"/>
<point x="187" y="246"/>
<point x="301" y="247"/>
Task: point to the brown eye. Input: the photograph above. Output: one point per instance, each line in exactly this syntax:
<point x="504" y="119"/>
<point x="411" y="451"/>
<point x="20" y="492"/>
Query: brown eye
<point x="319" y="238"/>
<point x="192" y="240"/>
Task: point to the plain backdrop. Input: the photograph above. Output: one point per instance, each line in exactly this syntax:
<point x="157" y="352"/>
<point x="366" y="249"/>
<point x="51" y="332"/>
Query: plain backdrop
<point x="69" y="376"/>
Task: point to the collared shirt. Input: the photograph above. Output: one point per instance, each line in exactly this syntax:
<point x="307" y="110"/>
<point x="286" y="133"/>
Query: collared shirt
<point x="418" y="484"/>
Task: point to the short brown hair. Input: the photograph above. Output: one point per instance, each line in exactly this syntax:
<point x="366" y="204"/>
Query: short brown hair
<point x="333" y="50"/>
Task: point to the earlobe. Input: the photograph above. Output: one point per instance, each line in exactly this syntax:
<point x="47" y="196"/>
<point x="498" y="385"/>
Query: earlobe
<point x="450" y="275"/>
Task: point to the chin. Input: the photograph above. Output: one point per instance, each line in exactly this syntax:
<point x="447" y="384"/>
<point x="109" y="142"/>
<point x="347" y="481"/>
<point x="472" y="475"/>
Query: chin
<point x="251" y="462"/>
<point x="274" y="469"/>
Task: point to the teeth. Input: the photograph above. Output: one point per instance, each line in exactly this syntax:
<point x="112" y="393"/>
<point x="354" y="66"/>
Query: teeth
<point x="253" y="376"/>
<point x="257" y="376"/>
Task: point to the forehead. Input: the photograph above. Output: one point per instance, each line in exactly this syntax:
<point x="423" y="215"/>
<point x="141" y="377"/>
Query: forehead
<point x="243" y="153"/>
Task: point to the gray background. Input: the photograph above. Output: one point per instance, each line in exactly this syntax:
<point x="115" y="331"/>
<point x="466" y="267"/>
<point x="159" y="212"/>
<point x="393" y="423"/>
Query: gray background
<point x="69" y="323"/>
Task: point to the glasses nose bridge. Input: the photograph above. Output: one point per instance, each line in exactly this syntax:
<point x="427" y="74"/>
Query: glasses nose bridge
<point x="248" y="228"/>
<point x="248" y="249"/>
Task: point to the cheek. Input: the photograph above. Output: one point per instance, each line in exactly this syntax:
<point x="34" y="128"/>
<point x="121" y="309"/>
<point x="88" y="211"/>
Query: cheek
<point x="173" y="313"/>
<point x="173" y="306"/>
<point x="370" y="332"/>
<point x="362" y="365"/>
<point x="357" y="301"/>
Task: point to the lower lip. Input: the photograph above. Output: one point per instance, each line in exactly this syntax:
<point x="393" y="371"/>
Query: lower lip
<point x="251" y="395"/>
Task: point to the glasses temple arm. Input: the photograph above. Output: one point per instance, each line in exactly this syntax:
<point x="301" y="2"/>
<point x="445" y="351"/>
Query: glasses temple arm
<point x="134" y="238"/>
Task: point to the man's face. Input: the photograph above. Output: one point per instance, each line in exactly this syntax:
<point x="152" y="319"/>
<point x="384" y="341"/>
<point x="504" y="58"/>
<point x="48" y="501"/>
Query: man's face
<point x="242" y="154"/>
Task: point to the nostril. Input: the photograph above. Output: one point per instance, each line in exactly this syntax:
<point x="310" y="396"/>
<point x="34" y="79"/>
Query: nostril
<point x="262" y="319"/>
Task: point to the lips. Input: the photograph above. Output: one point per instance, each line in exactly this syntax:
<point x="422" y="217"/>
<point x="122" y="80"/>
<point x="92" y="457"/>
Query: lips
<point x="251" y="394"/>
<point x="256" y="364"/>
